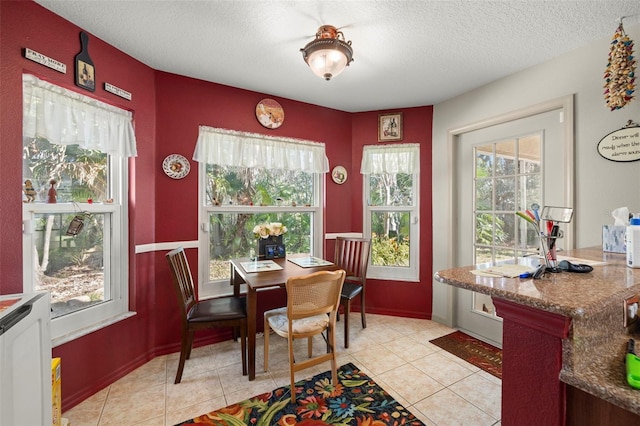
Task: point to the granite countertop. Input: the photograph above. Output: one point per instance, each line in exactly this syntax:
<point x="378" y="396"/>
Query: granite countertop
<point x="594" y="352"/>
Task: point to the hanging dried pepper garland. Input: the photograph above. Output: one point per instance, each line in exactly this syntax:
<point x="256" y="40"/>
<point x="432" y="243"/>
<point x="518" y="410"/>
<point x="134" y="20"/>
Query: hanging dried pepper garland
<point x="620" y="73"/>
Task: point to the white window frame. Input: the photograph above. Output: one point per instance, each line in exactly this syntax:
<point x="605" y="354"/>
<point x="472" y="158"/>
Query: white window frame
<point x="116" y="268"/>
<point x="395" y="273"/>
<point x="208" y="288"/>
<point x="116" y="255"/>
<point x="243" y="149"/>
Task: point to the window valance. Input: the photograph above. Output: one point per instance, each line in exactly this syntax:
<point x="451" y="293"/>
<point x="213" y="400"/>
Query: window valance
<point x="231" y="148"/>
<point x="65" y="117"/>
<point x="400" y="158"/>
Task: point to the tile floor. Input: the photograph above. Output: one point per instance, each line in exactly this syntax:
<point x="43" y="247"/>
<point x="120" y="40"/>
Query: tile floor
<point x="439" y="388"/>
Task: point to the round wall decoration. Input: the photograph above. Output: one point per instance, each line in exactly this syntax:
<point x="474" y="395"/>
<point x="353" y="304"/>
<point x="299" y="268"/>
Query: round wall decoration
<point x="269" y="113"/>
<point x="339" y="175"/>
<point x="176" y="166"/>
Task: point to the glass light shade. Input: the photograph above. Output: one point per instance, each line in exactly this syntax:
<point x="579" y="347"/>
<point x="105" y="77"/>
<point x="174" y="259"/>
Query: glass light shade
<point x="327" y="55"/>
<point x="327" y="62"/>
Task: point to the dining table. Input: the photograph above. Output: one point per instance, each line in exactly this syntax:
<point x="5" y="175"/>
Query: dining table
<point x="264" y="275"/>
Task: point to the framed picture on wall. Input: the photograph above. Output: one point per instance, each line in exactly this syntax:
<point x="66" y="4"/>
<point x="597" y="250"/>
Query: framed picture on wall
<point x="85" y="71"/>
<point x="390" y="127"/>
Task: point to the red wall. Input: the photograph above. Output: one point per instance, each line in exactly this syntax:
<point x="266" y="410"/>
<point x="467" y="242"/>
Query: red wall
<point x="167" y="111"/>
<point x="93" y="361"/>
<point x="182" y="104"/>
<point x="399" y="298"/>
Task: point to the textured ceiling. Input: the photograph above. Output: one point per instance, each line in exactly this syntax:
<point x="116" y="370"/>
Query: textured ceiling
<point x="406" y="53"/>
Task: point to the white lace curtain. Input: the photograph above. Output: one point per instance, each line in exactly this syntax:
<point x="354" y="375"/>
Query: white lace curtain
<point x="65" y="117"/>
<point x="230" y="148"/>
<point x="400" y="158"/>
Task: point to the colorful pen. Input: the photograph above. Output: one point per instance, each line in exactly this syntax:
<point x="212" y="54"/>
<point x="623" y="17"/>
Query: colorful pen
<point x="527" y="218"/>
<point x="531" y="215"/>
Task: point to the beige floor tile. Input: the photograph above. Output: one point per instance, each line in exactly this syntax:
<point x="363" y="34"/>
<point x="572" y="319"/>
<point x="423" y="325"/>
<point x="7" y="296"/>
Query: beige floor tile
<point x="439" y="388"/>
<point x="258" y="387"/>
<point x="189" y="412"/>
<point x="460" y="361"/>
<point x="158" y="420"/>
<point x="89" y="411"/>
<point x="432" y="332"/>
<point x="378" y="360"/>
<point x="446" y="408"/>
<point x="408" y="348"/>
<point x="424" y="419"/>
<point x="152" y="373"/>
<point x="484" y="394"/>
<point x="490" y="377"/>
<point x="391" y="391"/>
<point x="191" y="392"/>
<point x="129" y="408"/>
<point x="201" y="360"/>
<point x="410" y="383"/>
<point x="442" y="368"/>
<point x="226" y="353"/>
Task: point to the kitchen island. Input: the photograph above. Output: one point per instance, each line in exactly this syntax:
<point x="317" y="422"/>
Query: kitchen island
<point x="563" y="341"/>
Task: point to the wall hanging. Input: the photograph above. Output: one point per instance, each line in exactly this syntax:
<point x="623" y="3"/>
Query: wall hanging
<point x="176" y="166"/>
<point x="390" y="127"/>
<point x="45" y="60"/>
<point x="622" y="145"/>
<point x="270" y="113"/>
<point x="85" y="71"/>
<point x="339" y="175"/>
<point x="620" y="73"/>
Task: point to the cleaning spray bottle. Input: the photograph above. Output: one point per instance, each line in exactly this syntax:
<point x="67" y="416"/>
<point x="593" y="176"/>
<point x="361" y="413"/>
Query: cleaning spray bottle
<point x="632" y="237"/>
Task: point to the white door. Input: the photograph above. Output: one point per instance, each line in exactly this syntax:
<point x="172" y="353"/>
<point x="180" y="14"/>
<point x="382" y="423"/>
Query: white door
<point x="500" y="169"/>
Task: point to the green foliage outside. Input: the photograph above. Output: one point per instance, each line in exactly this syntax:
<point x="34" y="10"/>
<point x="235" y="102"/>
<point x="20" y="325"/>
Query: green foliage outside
<point x="390" y="225"/>
<point x="79" y="173"/>
<point x="387" y="251"/>
<point x="68" y="266"/>
<point x="502" y="185"/>
<point x="232" y="233"/>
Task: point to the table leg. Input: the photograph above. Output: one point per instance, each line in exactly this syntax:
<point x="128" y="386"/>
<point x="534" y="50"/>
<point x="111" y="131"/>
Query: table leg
<point x="252" y="308"/>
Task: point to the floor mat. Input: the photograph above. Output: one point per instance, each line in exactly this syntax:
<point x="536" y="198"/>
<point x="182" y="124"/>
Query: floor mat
<point x="472" y="350"/>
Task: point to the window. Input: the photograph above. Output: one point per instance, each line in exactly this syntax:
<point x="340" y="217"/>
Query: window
<point x="391" y="210"/>
<point x="75" y="153"/>
<point x="248" y="179"/>
<point x="508" y="178"/>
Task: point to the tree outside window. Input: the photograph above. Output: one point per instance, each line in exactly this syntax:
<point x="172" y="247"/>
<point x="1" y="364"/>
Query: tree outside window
<point x="69" y="267"/>
<point x="249" y="179"/>
<point x="391" y="212"/>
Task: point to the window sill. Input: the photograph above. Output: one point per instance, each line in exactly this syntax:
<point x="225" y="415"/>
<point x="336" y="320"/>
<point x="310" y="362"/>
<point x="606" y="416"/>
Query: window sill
<point x="57" y="341"/>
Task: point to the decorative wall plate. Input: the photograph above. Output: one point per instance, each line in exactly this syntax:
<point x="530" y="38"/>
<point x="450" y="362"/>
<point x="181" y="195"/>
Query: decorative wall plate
<point x="269" y="113"/>
<point x="176" y="166"/>
<point x="339" y="175"/>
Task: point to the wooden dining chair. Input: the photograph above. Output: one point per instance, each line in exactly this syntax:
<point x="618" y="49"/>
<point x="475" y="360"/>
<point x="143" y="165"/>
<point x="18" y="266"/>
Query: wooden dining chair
<point x="352" y="255"/>
<point x="203" y="314"/>
<point x="312" y="306"/>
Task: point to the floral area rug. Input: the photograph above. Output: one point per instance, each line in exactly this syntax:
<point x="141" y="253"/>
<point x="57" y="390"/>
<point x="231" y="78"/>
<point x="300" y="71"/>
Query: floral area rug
<point x="356" y="400"/>
<point x="472" y="350"/>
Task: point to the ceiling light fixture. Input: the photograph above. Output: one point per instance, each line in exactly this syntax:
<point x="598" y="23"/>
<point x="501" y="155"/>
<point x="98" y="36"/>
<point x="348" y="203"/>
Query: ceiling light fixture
<point x="329" y="54"/>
